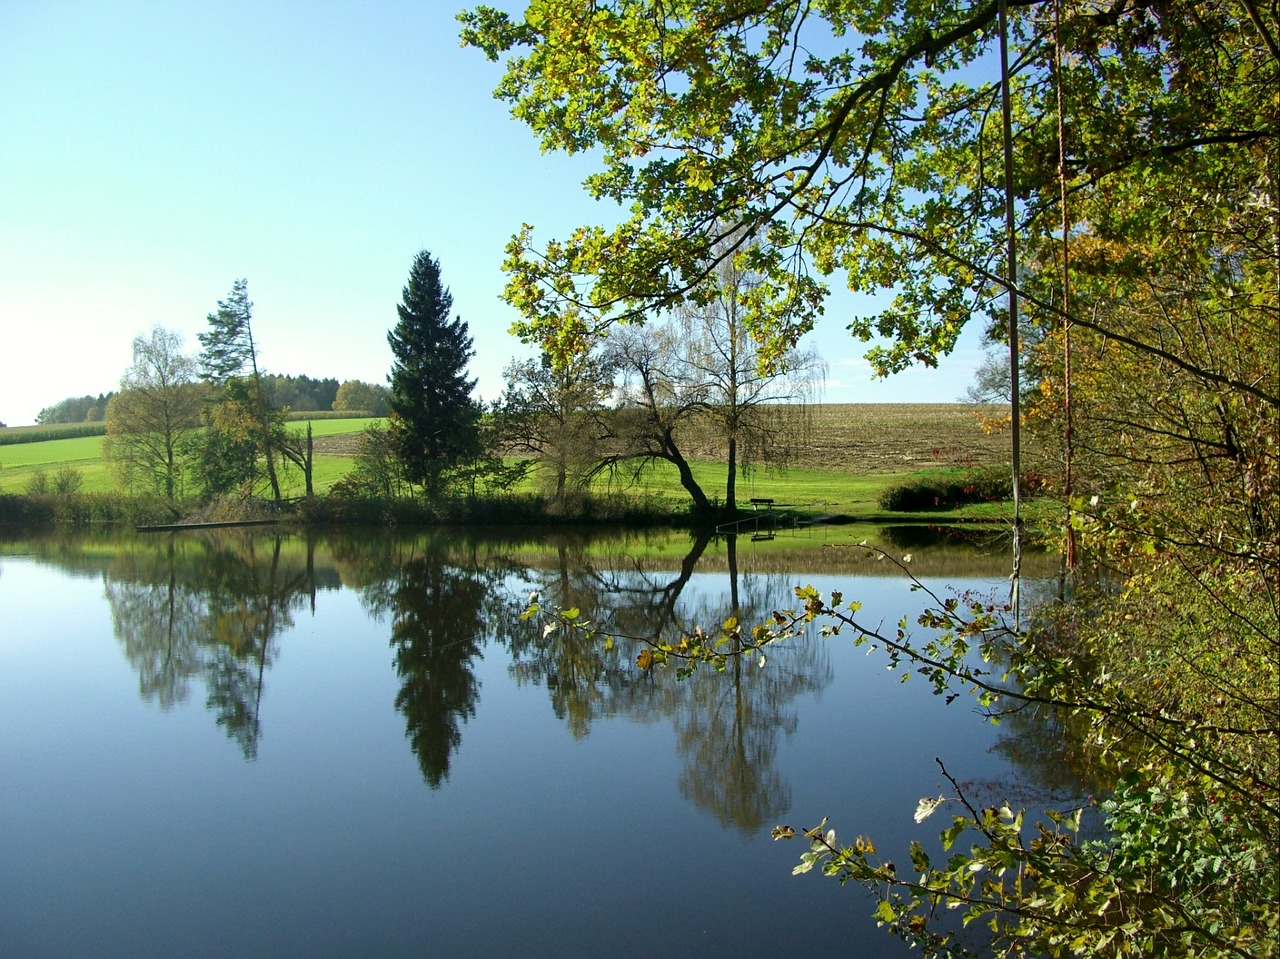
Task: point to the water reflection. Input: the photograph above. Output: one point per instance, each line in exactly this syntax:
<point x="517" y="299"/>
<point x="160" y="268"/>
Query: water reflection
<point x="728" y="726"/>
<point x="210" y="608"/>
<point x="410" y="731"/>
<point x="436" y="631"/>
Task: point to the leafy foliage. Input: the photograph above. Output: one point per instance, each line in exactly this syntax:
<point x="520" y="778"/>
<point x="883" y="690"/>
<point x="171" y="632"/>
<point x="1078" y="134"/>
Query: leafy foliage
<point x="554" y="413"/>
<point x="355" y="396"/>
<point x="856" y="141"/>
<point x="152" y="421"/>
<point x="982" y="486"/>
<point x="243" y="423"/>
<point x="700" y="376"/>
<point x="301" y="392"/>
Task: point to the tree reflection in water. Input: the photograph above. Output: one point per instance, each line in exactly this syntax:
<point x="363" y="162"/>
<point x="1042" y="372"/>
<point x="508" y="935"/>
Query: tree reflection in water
<point x="208" y="608"/>
<point x="212" y="608"/>
<point x="728" y="726"/>
<point x="442" y="595"/>
<point x="436" y="631"/>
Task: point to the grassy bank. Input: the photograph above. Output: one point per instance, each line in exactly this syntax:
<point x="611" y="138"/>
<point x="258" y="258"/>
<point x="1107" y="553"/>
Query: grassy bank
<point x="855" y="452"/>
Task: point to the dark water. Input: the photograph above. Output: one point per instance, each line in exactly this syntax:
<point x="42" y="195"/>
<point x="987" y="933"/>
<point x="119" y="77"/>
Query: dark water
<point x="263" y="745"/>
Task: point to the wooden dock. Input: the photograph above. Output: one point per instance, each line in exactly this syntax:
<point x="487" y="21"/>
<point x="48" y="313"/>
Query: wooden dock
<point x="171" y="527"/>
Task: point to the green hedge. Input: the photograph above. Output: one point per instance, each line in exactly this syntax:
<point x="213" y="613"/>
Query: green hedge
<point x="925" y="495"/>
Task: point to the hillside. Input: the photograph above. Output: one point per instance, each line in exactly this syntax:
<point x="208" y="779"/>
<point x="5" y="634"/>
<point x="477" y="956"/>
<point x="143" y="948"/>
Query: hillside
<point x="856" y="437"/>
<point x="889" y="437"/>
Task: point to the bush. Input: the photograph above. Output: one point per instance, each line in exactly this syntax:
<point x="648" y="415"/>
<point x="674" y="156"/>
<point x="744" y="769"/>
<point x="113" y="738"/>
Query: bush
<point x="67" y="481"/>
<point x="38" y="484"/>
<point x="84" y="509"/>
<point x="947" y="493"/>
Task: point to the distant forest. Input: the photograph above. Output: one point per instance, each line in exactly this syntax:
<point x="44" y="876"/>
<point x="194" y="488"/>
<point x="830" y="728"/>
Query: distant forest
<point x="295" y="392"/>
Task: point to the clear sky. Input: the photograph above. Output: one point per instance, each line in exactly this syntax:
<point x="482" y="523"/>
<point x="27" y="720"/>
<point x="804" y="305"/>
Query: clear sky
<point x="153" y="152"/>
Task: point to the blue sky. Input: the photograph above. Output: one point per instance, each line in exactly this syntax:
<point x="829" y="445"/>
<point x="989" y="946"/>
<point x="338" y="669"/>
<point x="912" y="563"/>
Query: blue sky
<point x="151" y="153"/>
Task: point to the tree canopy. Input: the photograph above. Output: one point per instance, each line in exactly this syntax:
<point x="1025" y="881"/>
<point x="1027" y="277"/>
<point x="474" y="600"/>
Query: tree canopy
<point x="862" y="141"/>
<point x="817" y="142"/>
<point x="243" y="423"/>
<point x="151" y="420"/>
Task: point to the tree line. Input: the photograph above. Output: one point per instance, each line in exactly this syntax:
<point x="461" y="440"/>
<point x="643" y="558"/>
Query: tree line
<point x="300" y="393"/>
<point x="216" y="418"/>
<point x="690" y="387"/>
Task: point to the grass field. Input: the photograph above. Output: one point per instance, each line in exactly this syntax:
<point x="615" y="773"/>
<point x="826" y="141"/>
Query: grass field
<point x="20" y="461"/>
<point x="853" y="451"/>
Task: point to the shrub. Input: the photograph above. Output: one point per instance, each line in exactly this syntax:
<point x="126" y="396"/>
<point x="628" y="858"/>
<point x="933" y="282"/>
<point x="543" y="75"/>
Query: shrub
<point x="67" y="481"/>
<point x="38" y="484"/>
<point x="947" y="493"/>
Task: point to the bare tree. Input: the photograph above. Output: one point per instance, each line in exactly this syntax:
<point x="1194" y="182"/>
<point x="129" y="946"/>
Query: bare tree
<point x="697" y="381"/>
<point x="750" y="406"/>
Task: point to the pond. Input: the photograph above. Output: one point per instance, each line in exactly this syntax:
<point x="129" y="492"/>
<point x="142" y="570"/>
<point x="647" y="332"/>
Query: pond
<point x="260" y="744"/>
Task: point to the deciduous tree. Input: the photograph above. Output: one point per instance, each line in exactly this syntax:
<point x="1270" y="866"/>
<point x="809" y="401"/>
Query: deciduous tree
<point x="696" y="382"/>
<point x="743" y="398"/>
<point x="554" y="413"/>
<point x="151" y="421"/>
<point x="859" y="142"/>
<point x="355" y="396"/>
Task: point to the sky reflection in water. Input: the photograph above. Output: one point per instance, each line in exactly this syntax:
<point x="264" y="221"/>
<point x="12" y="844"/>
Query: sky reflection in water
<point x="352" y="746"/>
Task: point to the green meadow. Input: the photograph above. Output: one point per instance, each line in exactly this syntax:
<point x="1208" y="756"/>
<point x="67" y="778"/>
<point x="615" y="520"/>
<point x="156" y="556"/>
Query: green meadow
<point x="19" y="462"/>
<point x="863" y="449"/>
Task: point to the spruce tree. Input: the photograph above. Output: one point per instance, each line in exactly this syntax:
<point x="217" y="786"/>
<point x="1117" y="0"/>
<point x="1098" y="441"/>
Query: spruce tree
<point x="433" y="416"/>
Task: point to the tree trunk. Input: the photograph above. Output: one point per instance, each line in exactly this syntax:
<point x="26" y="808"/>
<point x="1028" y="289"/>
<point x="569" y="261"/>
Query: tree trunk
<point x="307" y="468"/>
<point x="731" y="484"/>
<point x="700" y="502"/>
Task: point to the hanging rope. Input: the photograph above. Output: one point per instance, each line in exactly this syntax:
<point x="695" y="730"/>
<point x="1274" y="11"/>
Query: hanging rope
<point x="1011" y="279"/>
<point x="1068" y="481"/>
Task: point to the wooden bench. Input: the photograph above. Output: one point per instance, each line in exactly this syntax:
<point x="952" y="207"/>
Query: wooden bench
<point x="758" y="501"/>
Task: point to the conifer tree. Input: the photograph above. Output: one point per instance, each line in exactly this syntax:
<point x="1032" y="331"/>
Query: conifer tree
<point x="228" y="353"/>
<point x="434" y="418"/>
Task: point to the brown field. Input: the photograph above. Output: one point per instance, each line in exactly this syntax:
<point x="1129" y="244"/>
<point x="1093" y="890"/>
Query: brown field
<point x="893" y="437"/>
<point x="860" y="438"/>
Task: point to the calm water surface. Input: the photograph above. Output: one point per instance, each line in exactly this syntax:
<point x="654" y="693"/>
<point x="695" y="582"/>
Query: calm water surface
<point x="265" y="745"/>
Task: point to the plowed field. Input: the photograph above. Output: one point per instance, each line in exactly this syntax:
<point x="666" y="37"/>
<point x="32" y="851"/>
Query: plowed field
<point x="860" y="437"/>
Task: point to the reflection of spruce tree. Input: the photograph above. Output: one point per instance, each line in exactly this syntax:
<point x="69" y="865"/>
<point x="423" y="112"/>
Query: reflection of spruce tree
<point x="436" y="631"/>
